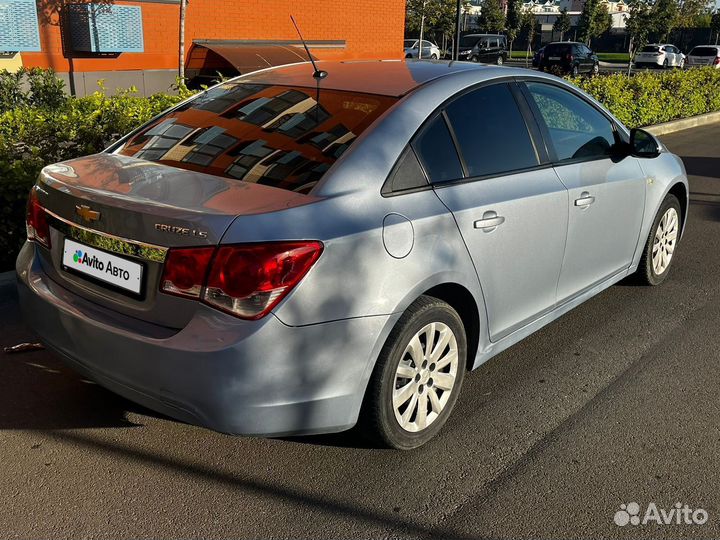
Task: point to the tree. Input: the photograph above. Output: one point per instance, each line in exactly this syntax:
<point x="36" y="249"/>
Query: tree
<point x="594" y="20"/>
<point x="513" y="21"/>
<point x="562" y="23"/>
<point x="440" y="15"/>
<point x="664" y="17"/>
<point x="691" y="12"/>
<point x="529" y="23"/>
<point x="492" y="16"/>
<point x="638" y="25"/>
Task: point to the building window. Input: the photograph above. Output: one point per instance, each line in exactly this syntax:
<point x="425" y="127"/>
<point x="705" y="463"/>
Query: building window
<point x="101" y="28"/>
<point x="19" y="26"/>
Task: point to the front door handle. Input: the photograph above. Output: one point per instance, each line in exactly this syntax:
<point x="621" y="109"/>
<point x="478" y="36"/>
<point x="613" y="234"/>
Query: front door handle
<point x="585" y="200"/>
<point x="489" y="221"/>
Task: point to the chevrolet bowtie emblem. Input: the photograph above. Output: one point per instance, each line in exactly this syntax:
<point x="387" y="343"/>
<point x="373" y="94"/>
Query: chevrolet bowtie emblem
<point x="86" y="213"/>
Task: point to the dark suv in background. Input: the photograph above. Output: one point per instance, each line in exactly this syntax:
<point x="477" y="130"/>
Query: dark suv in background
<point x="569" y="57"/>
<point x="485" y="48"/>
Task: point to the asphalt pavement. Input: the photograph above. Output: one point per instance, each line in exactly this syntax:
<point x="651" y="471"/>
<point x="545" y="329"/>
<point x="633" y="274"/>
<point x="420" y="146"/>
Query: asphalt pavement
<point x="614" y="403"/>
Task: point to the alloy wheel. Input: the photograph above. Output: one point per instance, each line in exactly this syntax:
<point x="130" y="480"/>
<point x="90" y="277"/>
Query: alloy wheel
<point x="664" y="241"/>
<point x="425" y="377"/>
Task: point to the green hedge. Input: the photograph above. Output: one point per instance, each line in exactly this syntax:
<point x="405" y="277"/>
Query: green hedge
<point x="40" y="125"/>
<point x="652" y="98"/>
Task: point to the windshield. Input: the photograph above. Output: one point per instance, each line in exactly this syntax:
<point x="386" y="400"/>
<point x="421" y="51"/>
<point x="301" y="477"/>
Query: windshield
<point x="280" y="136"/>
<point x="409" y="43"/>
<point x="469" y="41"/>
<point x="704" y="51"/>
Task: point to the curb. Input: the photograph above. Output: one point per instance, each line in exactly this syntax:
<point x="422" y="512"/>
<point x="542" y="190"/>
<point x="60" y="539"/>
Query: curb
<point x="684" y="123"/>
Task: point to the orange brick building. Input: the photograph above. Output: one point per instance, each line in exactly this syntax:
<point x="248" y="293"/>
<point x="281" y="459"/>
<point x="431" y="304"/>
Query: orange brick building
<point x="220" y="35"/>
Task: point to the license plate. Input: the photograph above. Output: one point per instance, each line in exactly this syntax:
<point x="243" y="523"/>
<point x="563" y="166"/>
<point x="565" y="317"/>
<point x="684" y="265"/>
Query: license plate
<point x="103" y="266"/>
<point x="553" y="58"/>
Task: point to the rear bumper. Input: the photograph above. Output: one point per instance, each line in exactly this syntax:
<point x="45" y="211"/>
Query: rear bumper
<point x="240" y="377"/>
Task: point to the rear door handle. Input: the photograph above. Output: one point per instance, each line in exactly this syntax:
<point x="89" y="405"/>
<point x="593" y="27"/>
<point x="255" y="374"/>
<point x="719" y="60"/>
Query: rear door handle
<point x="489" y="221"/>
<point x="585" y="200"/>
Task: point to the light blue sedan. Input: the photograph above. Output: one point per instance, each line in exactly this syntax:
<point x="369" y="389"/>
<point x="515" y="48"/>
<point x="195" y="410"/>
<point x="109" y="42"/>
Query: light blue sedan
<point x="287" y="254"/>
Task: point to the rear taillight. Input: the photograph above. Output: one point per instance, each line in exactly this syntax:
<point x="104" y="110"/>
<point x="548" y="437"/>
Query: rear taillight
<point x="245" y="280"/>
<point x="716" y="61"/>
<point x="36" y="223"/>
<point x="185" y="271"/>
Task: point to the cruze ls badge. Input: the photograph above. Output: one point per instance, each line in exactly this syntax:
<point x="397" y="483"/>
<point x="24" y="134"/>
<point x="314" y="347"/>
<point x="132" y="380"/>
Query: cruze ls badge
<point x="181" y="231"/>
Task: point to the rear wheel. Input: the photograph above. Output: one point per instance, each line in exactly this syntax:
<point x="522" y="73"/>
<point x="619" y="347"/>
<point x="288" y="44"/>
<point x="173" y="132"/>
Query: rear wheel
<point x="433" y="57"/>
<point x="500" y="60"/>
<point x="595" y="69"/>
<point x="418" y="376"/>
<point x="574" y="71"/>
<point x="661" y="243"/>
<point x="665" y="64"/>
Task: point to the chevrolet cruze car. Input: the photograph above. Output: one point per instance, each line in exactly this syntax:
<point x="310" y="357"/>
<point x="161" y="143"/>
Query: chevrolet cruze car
<point x="286" y="254"/>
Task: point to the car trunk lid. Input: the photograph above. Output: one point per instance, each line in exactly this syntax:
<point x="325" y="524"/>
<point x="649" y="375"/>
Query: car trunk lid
<point x="136" y="210"/>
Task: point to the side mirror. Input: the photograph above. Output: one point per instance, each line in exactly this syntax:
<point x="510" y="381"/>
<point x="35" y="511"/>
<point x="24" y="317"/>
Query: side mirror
<point x="643" y="144"/>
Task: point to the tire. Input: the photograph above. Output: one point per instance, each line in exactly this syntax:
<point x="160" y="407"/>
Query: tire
<point x="433" y="57"/>
<point x="649" y="272"/>
<point x="595" y="70"/>
<point x="500" y="60"/>
<point x="574" y="71"/>
<point x="474" y="59"/>
<point x="380" y="419"/>
<point x="665" y="64"/>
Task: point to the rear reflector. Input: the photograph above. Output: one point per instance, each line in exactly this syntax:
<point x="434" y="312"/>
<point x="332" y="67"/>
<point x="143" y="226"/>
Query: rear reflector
<point x="245" y="280"/>
<point x="36" y="223"/>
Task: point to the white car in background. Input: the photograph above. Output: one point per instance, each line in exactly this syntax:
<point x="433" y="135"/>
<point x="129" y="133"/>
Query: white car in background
<point x="661" y="55"/>
<point x="704" y="55"/>
<point x="430" y="51"/>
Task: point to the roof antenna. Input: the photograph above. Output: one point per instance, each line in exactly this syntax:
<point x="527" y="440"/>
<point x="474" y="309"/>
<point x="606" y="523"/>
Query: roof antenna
<point x="319" y="73"/>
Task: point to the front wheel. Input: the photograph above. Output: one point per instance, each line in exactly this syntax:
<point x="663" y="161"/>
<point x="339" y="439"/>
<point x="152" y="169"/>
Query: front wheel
<point x="574" y="71"/>
<point x="661" y="243"/>
<point x="474" y="59"/>
<point x="500" y="60"/>
<point x="418" y="376"/>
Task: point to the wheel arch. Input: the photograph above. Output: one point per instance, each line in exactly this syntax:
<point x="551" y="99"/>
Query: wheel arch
<point x="680" y="191"/>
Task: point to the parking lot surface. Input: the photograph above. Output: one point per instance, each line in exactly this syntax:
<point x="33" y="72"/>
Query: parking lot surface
<point x="616" y="402"/>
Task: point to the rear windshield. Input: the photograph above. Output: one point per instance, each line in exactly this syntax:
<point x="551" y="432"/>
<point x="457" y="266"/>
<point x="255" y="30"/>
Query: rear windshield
<point x="558" y="48"/>
<point x="650" y="48"/>
<point x="704" y="51"/>
<point x="280" y="136"/>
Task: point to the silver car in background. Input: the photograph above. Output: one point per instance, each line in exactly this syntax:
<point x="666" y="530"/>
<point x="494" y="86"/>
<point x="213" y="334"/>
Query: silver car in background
<point x="704" y="55"/>
<point x="283" y="254"/>
<point x="660" y="55"/>
<point x="430" y="51"/>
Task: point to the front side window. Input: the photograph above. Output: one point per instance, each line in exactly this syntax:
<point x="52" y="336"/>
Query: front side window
<point x="491" y="131"/>
<point x="436" y="150"/>
<point x="577" y="130"/>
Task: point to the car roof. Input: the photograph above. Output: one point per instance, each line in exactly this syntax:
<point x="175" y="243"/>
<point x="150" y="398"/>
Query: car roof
<point x="382" y="77"/>
<point x="565" y="43"/>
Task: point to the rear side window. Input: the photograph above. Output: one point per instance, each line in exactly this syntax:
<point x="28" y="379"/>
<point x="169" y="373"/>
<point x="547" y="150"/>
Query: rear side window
<point x="704" y="51"/>
<point x="491" y="131"/>
<point x="436" y="151"/>
<point x="280" y="136"/>
<point x="408" y="174"/>
<point x="577" y="130"/>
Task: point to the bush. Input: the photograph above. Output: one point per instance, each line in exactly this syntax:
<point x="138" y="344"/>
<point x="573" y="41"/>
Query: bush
<point x="652" y="98"/>
<point x="39" y="125"/>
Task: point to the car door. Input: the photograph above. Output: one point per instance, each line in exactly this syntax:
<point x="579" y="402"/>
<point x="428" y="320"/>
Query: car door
<point x="483" y="47"/>
<point x="510" y="208"/>
<point x="606" y="186"/>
